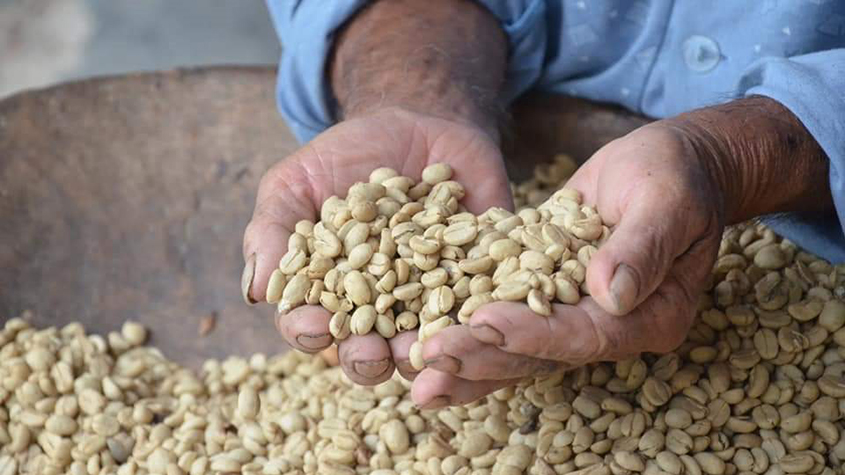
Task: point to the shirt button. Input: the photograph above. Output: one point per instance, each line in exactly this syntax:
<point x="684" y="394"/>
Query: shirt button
<point x="701" y="53"/>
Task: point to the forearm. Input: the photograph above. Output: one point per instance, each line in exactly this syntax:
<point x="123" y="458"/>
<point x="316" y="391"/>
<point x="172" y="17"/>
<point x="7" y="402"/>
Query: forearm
<point x="764" y="159"/>
<point x="445" y="57"/>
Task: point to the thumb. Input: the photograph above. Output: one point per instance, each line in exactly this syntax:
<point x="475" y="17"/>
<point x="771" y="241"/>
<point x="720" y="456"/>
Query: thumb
<point x="628" y="268"/>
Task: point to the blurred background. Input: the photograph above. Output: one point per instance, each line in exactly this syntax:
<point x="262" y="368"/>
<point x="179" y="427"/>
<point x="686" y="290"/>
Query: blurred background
<point x="43" y="42"/>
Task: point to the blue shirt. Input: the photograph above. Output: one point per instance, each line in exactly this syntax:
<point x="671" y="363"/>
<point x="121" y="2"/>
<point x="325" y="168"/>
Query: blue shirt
<point x="655" y="57"/>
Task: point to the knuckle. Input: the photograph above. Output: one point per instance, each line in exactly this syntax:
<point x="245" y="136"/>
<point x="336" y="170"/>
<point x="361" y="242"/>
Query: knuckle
<point x="593" y="343"/>
<point x="655" y="253"/>
<point x="251" y="231"/>
<point x="605" y="347"/>
<point x="435" y="346"/>
<point x="270" y="209"/>
<point x="672" y="317"/>
<point x="471" y="371"/>
<point x="665" y="345"/>
<point x="482" y="317"/>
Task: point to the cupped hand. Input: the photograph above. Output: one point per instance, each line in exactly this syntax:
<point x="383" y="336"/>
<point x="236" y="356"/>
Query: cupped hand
<point x="295" y="188"/>
<point x="665" y="208"/>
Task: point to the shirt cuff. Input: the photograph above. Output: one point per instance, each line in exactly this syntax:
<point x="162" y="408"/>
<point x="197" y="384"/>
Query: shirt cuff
<point x="813" y="88"/>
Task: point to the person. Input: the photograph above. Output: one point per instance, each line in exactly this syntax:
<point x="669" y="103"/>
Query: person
<point x="750" y="98"/>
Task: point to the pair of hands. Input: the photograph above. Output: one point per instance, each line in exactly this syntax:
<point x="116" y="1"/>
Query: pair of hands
<point x="651" y="186"/>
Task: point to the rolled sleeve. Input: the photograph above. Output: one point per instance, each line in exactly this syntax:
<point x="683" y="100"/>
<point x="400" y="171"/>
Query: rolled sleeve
<point x="524" y="22"/>
<point x="812" y="87"/>
<point x="306" y="29"/>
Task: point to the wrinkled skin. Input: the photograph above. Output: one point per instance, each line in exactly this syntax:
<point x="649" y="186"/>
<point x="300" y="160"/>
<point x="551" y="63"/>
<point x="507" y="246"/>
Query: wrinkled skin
<point x="296" y="187"/>
<point x="650" y="186"/>
<point x="664" y="209"/>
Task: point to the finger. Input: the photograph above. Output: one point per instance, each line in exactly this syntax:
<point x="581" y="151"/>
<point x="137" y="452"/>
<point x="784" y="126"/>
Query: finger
<point x="267" y="243"/>
<point x="433" y="389"/>
<point x="400" y="346"/>
<point x="569" y="334"/>
<point x="575" y="335"/>
<point x="366" y="359"/>
<point x="492" y="191"/>
<point x="289" y="192"/>
<point x="472" y="154"/>
<point x="673" y="305"/>
<point x="586" y="333"/>
<point x="278" y="208"/>
<point x="455" y="351"/>
<point x="585" y="178"/>
<point x="652" y="234"/>
<point x="306" y="328"/>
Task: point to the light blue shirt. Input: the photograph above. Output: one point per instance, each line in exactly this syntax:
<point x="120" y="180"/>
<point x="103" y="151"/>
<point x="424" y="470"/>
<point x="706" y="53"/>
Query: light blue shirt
<point x="655" y="57"/>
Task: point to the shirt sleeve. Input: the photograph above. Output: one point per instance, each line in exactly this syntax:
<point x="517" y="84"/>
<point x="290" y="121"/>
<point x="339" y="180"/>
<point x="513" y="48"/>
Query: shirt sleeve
<point x="524" y="22"/>
<point x="306" y="29"/>
<point x="812" y="87"/>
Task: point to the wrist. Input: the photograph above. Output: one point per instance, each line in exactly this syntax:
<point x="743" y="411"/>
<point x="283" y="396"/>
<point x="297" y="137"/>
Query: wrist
<point x="457" y="111"/>
<point x="708" y="150"/>
<point x="759" y="156"/>
<point x="414" y="56"/>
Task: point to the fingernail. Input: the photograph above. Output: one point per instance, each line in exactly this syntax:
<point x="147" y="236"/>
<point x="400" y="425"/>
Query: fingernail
<point x="246" y="280"/>
<point x="371" y="369"/>
<point x="488" y="334"/>
<point x="624" y="288"/>
<point x="314" y="342"/>
<point x="436" y="402"/>
<point x="405" y="367"/>
<point x="444" y="363"/>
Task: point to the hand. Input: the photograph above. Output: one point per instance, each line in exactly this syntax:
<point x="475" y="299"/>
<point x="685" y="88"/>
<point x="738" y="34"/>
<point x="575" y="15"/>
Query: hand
<point x="295" y="188"/>
<point x="666" y="210"/>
